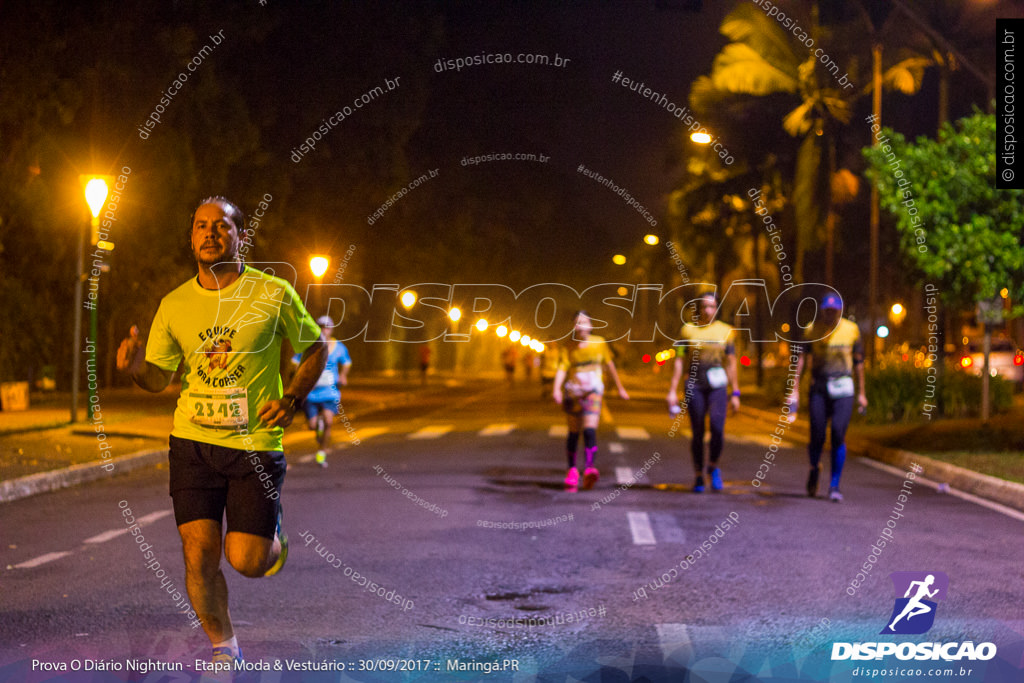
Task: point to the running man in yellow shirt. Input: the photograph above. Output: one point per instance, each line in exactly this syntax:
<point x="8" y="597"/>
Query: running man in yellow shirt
<point x="225" y="328"/>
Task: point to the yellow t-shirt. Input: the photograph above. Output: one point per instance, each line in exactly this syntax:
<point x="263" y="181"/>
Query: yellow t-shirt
<point x="229" y="342"/>
<point x="707" y="347"/>
<point x="834" y="354"/>
<point x="583" y="366"/>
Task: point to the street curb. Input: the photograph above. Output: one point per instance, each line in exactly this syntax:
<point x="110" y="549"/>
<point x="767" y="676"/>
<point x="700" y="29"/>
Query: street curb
<point x="1008" y="493"/>
<point x="43" y="482"/>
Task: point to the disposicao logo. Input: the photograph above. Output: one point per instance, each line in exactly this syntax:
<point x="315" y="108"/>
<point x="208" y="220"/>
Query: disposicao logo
<point x="917" y="596"/>
<point x="916" y="600"/>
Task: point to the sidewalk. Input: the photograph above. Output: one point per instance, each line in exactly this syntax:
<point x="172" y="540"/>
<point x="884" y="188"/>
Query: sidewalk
<point x="139" y="422"/>
<point x="41" y="450"/>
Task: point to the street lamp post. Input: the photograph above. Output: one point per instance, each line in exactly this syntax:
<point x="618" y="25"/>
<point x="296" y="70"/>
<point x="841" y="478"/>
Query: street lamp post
<point x="408" y="299"/>
<point x="95" y="196"/>
<point x="318" y="266"/>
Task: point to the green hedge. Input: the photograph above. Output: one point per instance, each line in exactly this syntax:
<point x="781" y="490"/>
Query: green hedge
<point x="897" y="391"/>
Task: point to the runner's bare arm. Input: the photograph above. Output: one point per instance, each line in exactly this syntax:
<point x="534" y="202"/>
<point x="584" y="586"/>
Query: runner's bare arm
<point x="613" y="373"/>
<point x="131" y="358"/>
<point x="279" y="412"/>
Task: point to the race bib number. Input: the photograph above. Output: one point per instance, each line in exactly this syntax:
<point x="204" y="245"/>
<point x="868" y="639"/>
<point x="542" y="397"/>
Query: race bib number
<point x="840" y="387"/>
<point x="717" y="378"/>
<point x="226" y="408"/>
<point x="586" y="382"/>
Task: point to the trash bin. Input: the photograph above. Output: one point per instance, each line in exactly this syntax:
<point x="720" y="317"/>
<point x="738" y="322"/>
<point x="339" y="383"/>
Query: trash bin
<point x="13" y="396"/>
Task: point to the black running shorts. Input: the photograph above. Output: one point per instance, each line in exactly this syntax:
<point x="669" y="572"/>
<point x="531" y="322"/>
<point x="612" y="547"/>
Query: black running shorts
<point x="207" y="480"/>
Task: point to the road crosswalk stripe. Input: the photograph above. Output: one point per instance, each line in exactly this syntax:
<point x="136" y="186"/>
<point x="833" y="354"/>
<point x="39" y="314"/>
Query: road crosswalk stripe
<point x="623" y="475"/>
<point x="633" y="433"/>
<point x="498" y="429"/>
<point x="616" y="447"/>
<point x="42" y="559"/>
<point x="640" y="527"/>
<point x="558" y="431"/>
<point x="431" y="432"/>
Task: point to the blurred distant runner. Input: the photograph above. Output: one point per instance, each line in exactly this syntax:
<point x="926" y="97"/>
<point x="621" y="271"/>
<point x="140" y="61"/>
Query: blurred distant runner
<point x="424" y="363"/>
<point x="509" y="357"/>
<point x="548" y="370"/>
<point x="579" y="387"/>
<point x="712" y="368"/>
<point x="321" y="404"/>
<point x="225" y="329"/>
<point x="837" y="375"/>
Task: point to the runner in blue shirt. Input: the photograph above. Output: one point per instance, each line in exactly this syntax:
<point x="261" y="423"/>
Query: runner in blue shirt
<point x="321" y="403"/>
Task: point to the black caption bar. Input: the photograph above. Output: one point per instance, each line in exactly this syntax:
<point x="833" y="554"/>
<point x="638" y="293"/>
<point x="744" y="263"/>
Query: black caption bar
<point x="1009" y="156"/>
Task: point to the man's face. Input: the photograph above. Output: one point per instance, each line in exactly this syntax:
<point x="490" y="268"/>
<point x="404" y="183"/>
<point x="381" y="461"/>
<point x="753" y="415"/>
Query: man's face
<point x="214" y="234"/>
<point x="830" y="316"/>
<point x="708" y="306"/>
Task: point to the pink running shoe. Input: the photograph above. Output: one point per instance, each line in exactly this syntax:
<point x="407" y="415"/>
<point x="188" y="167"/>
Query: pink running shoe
<point x="572" y="479"/>
<point x="590" y="477"/>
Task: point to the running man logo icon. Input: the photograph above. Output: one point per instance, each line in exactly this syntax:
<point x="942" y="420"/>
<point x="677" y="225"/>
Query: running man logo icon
<point x="917" y="594"/>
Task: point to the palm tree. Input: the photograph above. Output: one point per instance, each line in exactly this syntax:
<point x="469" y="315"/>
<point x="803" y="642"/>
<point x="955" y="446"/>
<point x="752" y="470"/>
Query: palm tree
<point x="764" y="61"/>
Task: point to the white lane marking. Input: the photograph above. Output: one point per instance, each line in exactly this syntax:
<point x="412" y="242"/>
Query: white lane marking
<point x="640" y="527"/>
<point x="1009" y="512"/>
<point x="633" y="433"/>
<point x="558" y="431"/>
<point x="153" y="516"/>
<point x="498" y="429"/>
<point x="674" y="641"/>
<point x="42" y="559"/>
<point x="431" y="432"/>
<point x="106" y="536"/>
<point x="616" y="447"/>
<point x="114" y="533"/>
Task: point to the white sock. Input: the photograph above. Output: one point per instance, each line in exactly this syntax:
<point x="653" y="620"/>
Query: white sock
<point x="231" y="643"/>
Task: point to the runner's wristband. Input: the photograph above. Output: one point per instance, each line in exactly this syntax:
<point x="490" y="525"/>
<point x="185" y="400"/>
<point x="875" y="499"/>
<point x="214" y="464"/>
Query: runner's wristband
<point x="293" y="400"/>
<point x="736" y="394"/>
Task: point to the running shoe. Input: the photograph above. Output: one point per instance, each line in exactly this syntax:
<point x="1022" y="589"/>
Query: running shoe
<point x="834" y="495"/>
<point x="572" y="479"/>
<point x="283" y="537"/>
<point x="321" y="458"/>
<point x="698" y="486"/>
<point x="812" y="482"/>
<point x="224" y="660"/>
<point x="716" y="479"/>
<point x="590" y="477"/>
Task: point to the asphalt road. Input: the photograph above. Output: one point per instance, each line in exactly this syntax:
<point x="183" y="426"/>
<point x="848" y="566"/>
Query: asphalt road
<point x="454" y="508"/>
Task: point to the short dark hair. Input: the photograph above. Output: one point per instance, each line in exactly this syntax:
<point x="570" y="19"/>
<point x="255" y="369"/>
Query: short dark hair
<point x="238" y="216"/>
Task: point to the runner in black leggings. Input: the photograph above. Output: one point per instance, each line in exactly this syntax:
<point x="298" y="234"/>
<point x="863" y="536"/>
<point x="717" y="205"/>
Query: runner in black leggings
<point x="712" y="368"/>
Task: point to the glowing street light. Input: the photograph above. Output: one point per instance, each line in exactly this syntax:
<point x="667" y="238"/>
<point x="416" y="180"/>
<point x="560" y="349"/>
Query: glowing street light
<point x="525" y="340"/>
<point x="514" y="336"/>
<point x="651" y="239"/>
<point x="701" y="138"/>
<point x="481" y="325"/>
<point x="318" y="265"/>
<point x="95" y="188"/>
<point x="619" y="260"/>
<point x="501" y="331"/>
<point x="454" y="314"/>
<point x="408" y="298"/>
